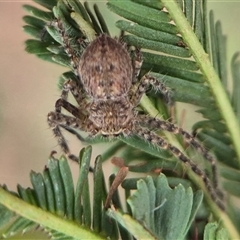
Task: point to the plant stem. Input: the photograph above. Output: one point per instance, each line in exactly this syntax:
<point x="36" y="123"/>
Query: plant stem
<point x="44" y="218"/>
<point x="207" y="69"/>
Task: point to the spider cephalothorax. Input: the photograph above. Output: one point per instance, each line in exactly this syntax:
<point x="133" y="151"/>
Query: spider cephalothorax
<point x="108" y="92"/>
<point x="112" y="117"/>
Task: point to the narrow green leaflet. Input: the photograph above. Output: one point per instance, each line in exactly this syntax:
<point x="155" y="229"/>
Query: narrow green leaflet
<point x="235" y="67"/>
<point x="68" y="186"/>
<point x="58" y="187"/>
<point x="139" y="143"/>
<point x="50" y="203"/>
<point x="6" y="216"/>
<point x="133" y="226"/>
<point x="164" y="212"/>
<point x="38" y="183"/>
<point x="213" y="231"/>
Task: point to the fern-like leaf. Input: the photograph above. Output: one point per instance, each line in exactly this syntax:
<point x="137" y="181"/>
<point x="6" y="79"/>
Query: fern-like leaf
<point x="64" y="213"/>
<point x="53" y="203"/>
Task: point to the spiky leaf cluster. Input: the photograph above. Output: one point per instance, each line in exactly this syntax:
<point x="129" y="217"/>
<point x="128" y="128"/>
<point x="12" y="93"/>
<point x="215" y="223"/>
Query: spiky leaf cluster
<point x="64" y="211"/>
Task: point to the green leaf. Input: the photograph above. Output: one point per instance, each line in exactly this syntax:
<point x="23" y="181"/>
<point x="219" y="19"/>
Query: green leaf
<point x="68" y="186"/>
<point x="235" y="67"/>
<point x="139" y="143"/>
<point x="49" y="191"/>
<point x="188" y="92"/>
<point x="58" y="187"/>
<point x="36" y="47"/>
<point x="6" y="216"/>
<point x="142" y="15"/>
<point x="133" y="226"/>
<point x="209" y="72"/>
<point x="20" y="225"/>
<point x="85" y="156"/>
<point x="233" y="187"/>
<point x="158" y="46"/>
<point x="179" y="63"/>
<point x="26" y="194"/>
<point x="188" y="11"/>
<point x="54" y="192"/>
<point x="47" y="16"/>
<point x="164" y="212"/>
<point x="148" y="33"/>
<point x="43" y="218"/>
<point x="178" y="69"/>
<point x="222" y="150"/>
<point x="78" y="7"/>
<point x="153" y="4"/>
<point x="46" y="3"/>
<point x="213" y="231"/>
<point x="101" y="20"/>
<point x="33" y="21"/>
<point x="97" y="203"/>
<point x="38" y="184"/>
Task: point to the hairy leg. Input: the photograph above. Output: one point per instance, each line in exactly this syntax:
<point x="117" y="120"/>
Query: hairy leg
<point x="145" y="82"/>
<point x="157" y="124"/>
<point x="77" y="91"/>
<point x="160" y="142"/>
<point x="72" y="46"/>
<point x="57" y="120"/>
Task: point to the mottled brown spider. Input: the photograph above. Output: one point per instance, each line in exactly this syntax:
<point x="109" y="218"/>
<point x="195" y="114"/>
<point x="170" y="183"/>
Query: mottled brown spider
<point x="107" y="94"/>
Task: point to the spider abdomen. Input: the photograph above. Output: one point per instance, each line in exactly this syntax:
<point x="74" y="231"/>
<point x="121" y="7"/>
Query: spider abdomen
<point x="105" y="69"/>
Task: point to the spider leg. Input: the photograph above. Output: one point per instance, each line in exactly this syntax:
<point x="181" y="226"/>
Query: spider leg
<point x="160" y="142"/>
<point x="137" y="58"/>
<point x="68" y="106"/>
<point x="73" y="53"/>
<point x="77" y="91"/>
<point x="75" y="87"/>
<point x="146" y="81"/>
<point x="157" y="124"/>
<point x="57" y="119"/>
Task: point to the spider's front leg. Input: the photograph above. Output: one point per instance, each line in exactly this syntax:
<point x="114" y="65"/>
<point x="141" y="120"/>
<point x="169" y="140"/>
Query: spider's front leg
<point x="160" y="142"/>
<point x="57" y="120"/>
<point x="158" y="124"/>
<point x="78" y="92"/>
<point x="146" y="81"/>
<point x="140" y="87"/>
<point x="72" y="45"/>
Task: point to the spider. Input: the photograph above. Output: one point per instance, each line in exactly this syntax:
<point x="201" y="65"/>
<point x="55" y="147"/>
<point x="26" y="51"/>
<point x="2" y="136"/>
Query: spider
<point x="107" y="93"/>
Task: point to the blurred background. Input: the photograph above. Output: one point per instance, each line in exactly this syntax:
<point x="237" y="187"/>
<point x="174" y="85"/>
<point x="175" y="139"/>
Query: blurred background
<point x="28" y="91"/>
